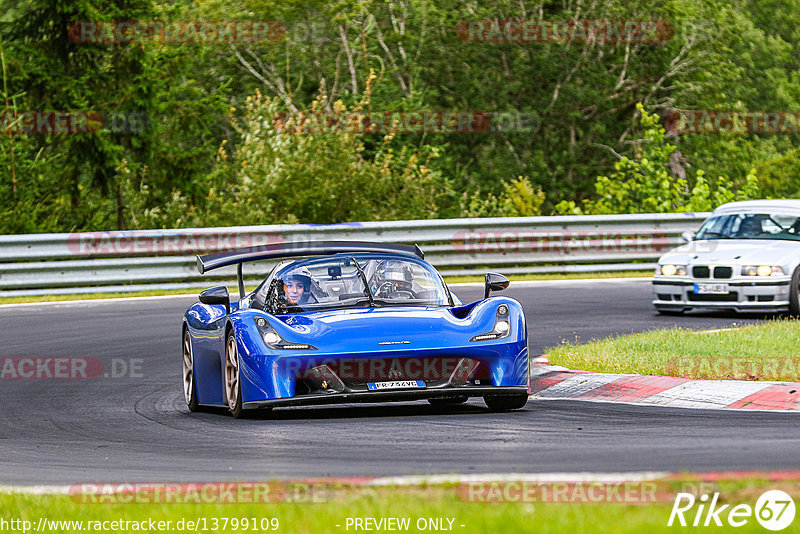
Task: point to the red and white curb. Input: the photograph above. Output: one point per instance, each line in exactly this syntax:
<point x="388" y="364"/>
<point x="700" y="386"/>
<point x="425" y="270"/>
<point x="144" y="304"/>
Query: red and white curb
<point x="553" y="382"/>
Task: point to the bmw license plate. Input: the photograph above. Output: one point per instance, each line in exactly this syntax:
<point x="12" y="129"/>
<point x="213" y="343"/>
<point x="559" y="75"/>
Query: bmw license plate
<point x="396" y="384"/>
<point x="711" y="289"/>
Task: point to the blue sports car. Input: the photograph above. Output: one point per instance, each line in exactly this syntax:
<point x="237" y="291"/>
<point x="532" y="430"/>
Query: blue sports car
<point x="339" y="322"/>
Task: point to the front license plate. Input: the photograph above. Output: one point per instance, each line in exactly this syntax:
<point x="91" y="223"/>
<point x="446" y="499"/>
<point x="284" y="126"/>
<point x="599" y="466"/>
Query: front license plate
<point x="711" y="289"/>
<point x="397" y="384"/>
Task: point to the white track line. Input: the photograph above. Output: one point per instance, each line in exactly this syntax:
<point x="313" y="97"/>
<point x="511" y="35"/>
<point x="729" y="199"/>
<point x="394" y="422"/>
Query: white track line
<point x="714" y="331"/>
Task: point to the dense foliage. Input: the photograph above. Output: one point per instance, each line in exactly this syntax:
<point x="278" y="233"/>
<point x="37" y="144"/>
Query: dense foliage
<point x="205" y="141"/>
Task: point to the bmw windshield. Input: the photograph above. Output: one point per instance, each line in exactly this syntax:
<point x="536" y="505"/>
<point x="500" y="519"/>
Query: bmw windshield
<point x="751" y="226"/>
<point x="353" y="281"/>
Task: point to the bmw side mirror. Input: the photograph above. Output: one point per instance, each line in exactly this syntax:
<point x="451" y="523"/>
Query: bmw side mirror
<point x="687" y="236"/>
<point x="495" y="282"/>
<point x="217" y="295"/>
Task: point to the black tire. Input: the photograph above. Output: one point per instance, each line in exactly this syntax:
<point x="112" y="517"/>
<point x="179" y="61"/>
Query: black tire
<point x="189" y="385"/>
<point x="794" y="294"/>
<point x="504" y="403"/>
<point x="444" y="401"/>
<point x="233" y="382"/>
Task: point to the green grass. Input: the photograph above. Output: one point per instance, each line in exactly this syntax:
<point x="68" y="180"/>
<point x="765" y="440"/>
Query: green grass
<point x="449" y="280"/>
<point x="441" y="501"/>
<point x="765" y="351"/>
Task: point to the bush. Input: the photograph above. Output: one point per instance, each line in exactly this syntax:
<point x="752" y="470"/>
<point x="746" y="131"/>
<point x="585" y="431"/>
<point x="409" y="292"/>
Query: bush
<point x="285" y="176"/>
<point x="518" y="199"/>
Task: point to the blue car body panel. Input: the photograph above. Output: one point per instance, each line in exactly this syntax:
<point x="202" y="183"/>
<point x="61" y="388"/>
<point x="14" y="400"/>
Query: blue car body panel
<point x="357" y="338"/>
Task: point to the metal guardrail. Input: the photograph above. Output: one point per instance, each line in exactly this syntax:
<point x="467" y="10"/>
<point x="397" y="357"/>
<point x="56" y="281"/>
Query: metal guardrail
<point x="164" y="259"/>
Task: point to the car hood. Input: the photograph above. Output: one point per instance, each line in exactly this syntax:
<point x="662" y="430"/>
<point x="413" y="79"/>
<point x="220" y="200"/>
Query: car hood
<point x="735" y="252"/>
<point x="388" y="328"/>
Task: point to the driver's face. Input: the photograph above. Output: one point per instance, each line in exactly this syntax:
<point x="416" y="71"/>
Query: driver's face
<point x="294" y="290"/>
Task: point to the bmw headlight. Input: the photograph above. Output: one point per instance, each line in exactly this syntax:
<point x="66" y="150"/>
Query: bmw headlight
<point x="671" y="269"/>
<point x="275" y="341"/>
<point x="762" y="270"/>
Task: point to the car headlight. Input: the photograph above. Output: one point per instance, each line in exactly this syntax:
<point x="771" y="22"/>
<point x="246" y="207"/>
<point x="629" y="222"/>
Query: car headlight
<point x="275" y="341"/>
<point x="761" y="270"/>
<point x="670" y="269"/>
<point x="502" y="326"/>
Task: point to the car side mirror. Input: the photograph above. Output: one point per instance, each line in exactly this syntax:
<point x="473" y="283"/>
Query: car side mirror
<point x="687" y="236"/>
<point x="495" y="282"/>
<point x="217" y="295"/>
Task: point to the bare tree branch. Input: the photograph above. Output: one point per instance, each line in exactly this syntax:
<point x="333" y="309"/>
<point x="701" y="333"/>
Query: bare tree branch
<point x="353" y="77"/>
<point x="276" y="88"/>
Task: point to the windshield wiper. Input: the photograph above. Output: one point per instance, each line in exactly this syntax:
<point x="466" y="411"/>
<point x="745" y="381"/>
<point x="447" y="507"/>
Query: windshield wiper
<point x="366" y="284"/>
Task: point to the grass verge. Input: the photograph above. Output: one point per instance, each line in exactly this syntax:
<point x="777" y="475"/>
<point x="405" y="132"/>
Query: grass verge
<point x="449" y="280"/>
<point x="764" y="351"/>
<point x="525" y="513"/>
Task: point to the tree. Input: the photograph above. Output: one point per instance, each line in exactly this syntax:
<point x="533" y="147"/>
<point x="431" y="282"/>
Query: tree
<point x="644" y="184"/>
<point x="287" y="171"/>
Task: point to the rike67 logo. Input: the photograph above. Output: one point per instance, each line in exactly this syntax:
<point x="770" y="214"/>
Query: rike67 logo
<point x="774" y="510"/>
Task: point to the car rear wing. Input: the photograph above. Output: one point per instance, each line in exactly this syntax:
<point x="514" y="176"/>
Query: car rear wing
<point x="237" y="257"/>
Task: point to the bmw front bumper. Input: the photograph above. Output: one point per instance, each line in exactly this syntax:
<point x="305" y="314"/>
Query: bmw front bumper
<point x="744" y="295"/>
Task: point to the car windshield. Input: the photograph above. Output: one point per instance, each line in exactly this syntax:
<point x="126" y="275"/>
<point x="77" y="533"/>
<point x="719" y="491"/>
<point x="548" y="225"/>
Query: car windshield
<point x="751" y="226"/>
<point x="341" y="281"/>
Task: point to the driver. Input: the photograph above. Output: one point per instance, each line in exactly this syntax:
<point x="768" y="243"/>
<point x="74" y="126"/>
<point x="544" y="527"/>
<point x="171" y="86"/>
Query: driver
<point x="297" y="286"/>
<point x="750" y="227"/>
<point x="397" y="277"/>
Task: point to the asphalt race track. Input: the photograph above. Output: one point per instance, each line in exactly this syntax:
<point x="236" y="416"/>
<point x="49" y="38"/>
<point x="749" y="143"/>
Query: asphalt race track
<point x="137" y="428"/>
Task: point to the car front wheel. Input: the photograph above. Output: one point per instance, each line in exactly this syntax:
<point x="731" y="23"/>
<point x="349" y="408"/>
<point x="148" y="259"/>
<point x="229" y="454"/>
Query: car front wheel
<point x="189" y="387"/>
<point x="794" y="293"/>
<point x="233" y="383"/>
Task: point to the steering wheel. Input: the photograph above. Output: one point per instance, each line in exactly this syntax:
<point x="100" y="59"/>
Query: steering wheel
<point x="388" y="290"/>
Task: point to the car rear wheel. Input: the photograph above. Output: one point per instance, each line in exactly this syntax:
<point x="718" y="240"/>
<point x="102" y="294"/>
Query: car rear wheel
<point x="504" y="403"/>
<point x="189" y="387"/>
<point x="442" y="401"/>
<point x="233" y="383"/>
<point x="794" y="293"/>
